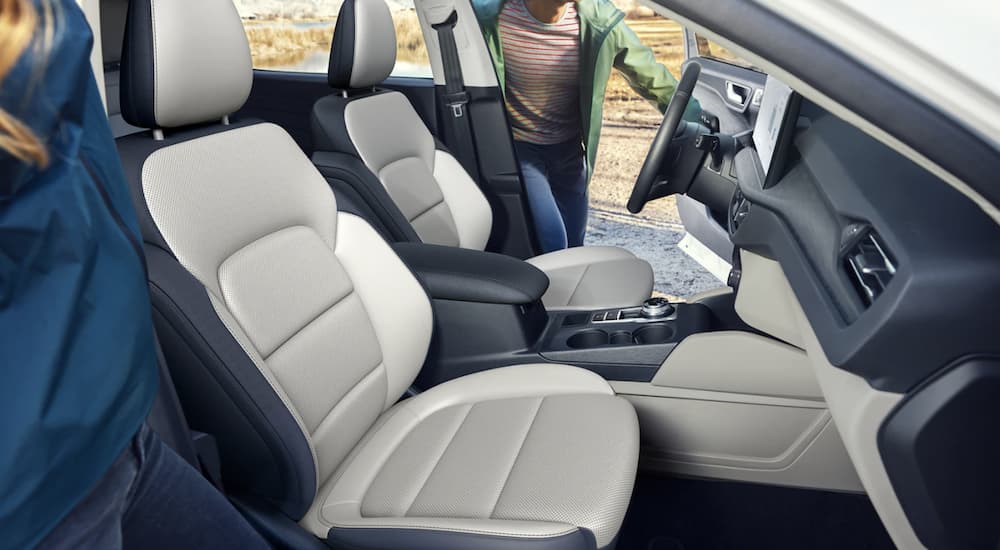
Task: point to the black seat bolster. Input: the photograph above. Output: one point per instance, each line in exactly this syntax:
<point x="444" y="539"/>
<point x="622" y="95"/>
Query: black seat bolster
<point x="329" y="130"/>
<point x="263" y="450"/>
<point x="460" y="274"/>
<point x="359" y="192"/>
<point x="166" y="417"/>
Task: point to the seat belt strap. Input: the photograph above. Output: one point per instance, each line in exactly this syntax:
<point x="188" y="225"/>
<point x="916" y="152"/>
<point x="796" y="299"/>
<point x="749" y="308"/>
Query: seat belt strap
<point x="456" y="98"/>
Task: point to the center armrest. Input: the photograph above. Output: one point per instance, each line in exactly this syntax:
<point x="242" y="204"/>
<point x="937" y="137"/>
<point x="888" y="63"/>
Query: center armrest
<point x="460" y="274"/>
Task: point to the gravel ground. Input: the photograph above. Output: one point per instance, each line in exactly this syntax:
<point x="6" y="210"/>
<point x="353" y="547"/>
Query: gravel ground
<point x="675" y="274"/>
<point x="629" y="127"/>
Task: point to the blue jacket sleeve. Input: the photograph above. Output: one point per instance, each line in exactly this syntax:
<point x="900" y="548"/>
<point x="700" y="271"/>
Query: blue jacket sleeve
<point x="77" y="355"/>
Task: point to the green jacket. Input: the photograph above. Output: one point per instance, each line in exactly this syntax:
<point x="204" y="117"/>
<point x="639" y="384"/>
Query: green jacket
<point x="605" y="42"/>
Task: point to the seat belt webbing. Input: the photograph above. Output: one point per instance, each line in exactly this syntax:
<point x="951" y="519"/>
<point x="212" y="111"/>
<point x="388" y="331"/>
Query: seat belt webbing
<point x="456" y="98"/>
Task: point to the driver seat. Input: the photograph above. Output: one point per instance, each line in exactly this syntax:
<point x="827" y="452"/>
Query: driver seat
<point x="429" y="187"/>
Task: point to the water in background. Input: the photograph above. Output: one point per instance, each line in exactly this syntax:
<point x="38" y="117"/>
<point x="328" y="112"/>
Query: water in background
<point x="319" y="62"/>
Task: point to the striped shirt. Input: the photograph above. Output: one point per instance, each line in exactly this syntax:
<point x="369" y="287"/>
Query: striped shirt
<point x="542" y="65"/>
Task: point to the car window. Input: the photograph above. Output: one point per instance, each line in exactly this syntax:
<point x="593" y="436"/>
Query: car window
<point x="711" y="50"/>
<point x="295" y="35"/>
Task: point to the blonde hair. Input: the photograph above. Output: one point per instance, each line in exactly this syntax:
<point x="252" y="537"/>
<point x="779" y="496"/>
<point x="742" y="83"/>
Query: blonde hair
<point x="18" y="22"/>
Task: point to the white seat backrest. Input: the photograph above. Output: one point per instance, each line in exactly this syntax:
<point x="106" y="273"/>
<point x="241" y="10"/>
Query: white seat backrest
<point x="431" y="188"/>
<point x="328" y="313"/>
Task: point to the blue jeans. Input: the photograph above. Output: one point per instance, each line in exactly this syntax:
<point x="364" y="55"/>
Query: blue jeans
<point x="555" y="177"/>
<point x="151" y="498"/>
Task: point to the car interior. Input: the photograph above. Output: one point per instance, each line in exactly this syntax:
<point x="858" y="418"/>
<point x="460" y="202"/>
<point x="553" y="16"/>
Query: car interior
<point x="362" y="347"/>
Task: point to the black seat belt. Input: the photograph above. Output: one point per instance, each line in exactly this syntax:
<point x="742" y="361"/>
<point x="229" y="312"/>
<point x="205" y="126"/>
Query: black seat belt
<point x="456" y="98"/>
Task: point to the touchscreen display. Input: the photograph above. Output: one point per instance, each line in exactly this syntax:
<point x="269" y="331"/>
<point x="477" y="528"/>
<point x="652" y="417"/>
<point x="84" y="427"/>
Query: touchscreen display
<point x="774" y="107"/>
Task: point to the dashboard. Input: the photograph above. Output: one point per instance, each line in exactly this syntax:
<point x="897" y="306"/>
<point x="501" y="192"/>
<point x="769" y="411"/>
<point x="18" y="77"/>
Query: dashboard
<point x="898" y="275"/>
<point x="879" y="252"/>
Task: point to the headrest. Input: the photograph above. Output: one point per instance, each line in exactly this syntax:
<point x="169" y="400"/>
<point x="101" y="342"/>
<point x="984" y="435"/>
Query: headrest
<point x="183" y="62"/>
<point x="364" y="45"/>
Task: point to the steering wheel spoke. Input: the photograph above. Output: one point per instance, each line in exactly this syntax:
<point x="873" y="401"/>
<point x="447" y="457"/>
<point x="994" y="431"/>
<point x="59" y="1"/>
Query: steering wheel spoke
<point x="662" y="172"/>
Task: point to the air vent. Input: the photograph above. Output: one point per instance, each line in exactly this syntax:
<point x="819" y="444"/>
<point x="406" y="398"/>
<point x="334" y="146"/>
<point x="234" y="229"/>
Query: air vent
<point x="869" y="266"/>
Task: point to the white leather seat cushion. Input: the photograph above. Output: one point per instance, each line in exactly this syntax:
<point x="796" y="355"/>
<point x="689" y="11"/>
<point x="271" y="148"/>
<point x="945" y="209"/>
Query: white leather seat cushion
<point x="591" y="277"/>
<point x="530" y="451"/>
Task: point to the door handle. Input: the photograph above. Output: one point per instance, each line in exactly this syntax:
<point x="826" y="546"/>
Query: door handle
<point x="737" y="93"/>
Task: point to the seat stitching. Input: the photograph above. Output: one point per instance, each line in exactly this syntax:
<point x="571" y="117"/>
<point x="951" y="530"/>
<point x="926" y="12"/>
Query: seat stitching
<point x="351" y="458"/>
<point x="309" y="322"/>
<point x="265" y="236"/>
<point x="429" y="208"/>
<point x="437" y="186"/>
<point x="265" y="371"/>
<point x="417" y="157"/>
<point x="513" y="464"/>
<point x="437" y="462"/>
<point x="225" y="297"/>
<point x="450" y="224"/>
<point x="578" y="283"/>
<point x="354" y="387"/>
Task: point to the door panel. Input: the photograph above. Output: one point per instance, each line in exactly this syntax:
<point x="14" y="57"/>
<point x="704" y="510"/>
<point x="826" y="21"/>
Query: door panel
<point x="732" y="93"/>
<point x="729" y="87"/>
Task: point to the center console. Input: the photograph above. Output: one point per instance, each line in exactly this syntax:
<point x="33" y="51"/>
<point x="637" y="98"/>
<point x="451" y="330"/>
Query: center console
<point x="488" y="313"/>
<point x="622" y="343"/>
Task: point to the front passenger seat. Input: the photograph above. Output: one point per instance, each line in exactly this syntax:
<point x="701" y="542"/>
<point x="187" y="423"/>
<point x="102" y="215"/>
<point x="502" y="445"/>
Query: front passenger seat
<point x="293" y="330"/>
<point x="429" y="186"/>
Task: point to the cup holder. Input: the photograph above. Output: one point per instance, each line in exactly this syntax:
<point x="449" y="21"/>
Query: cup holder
<point x="622" y="338"/>
<point x="654" y="334"/>
<point x="647" y="335"/>
<point x="588" y="339"/>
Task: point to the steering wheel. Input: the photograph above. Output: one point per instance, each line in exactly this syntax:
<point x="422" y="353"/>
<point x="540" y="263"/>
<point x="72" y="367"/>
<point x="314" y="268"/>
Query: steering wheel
<point x="652" y="168"/>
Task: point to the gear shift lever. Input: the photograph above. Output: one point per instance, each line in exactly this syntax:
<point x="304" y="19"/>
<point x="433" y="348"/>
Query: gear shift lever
<point x="655" y="308"/>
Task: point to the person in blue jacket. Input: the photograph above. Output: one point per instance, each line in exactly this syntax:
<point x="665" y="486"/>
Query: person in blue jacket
<point x="78" y="374"/>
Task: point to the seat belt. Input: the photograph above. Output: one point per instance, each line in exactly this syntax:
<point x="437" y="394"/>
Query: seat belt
<point x="456" y="98"/>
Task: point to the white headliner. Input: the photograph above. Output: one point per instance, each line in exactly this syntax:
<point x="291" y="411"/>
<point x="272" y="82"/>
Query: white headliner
<point x="945" y="56"/>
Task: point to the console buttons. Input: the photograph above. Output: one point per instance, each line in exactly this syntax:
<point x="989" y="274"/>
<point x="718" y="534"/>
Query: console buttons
<point x="598" y="317"/>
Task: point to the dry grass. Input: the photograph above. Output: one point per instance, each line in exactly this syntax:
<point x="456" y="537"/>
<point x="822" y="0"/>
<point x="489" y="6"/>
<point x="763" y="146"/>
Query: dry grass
<point x="409" y="38"/>
<point x="280" y="43"/>
<point x="666" y="38"/>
